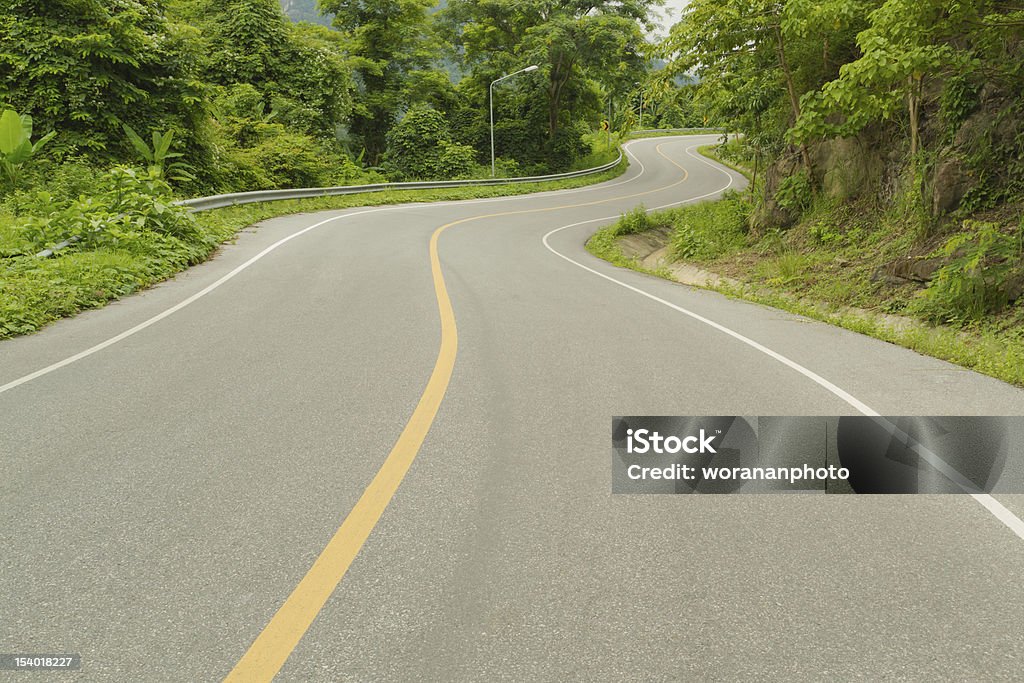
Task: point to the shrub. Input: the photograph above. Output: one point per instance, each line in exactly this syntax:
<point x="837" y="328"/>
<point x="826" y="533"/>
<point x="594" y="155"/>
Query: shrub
<point x="567" y="147"/>
<point x="129" y="203"/>
<point x="289" y="160"/>
<point x="16" y="146"/>
<point x="633" y="221"/>
<point x="455" y="161"/>
<point x="983" y="262"/>
<point x="795" y="193"/>
<point x="420" y="147"/>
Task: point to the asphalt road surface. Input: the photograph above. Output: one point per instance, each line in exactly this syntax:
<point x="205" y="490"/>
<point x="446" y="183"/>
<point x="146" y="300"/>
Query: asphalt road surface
<point x="353" y="447"/>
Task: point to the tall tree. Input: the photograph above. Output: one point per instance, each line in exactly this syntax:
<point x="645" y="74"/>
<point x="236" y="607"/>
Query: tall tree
<point x="569" y="40"/>
<point x="389" y="40"/>
<point x="906" y="43"/>
<point x="796" y="43"/>
<point x="300" y="71"/>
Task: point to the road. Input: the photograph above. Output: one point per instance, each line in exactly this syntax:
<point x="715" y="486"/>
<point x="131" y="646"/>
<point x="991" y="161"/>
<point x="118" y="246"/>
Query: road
<point x="174" y="465"/>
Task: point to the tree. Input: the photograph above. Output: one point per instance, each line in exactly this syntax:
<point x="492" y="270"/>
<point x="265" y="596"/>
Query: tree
<point x="907" y="42"/>
<point x="117" y="61"/>
<point x="751" y="44"/>
<point x="300" y="71"/>
<point x="388" y="41"/>
<point x="570" y="41"/>
<point x="420" y="147"/>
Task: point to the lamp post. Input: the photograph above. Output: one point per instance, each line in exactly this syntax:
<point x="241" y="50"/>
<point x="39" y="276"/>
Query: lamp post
<point x="490" y="104"/>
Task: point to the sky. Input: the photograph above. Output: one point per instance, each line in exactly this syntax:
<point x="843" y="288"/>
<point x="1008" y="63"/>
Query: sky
<point x="670" y="14"/>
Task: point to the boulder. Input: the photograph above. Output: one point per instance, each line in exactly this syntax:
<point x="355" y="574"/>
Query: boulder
<point x="917" y="269"/>
<point x="846" y="168"/>
<point x="950" y="182"/>
<point x="769" y="215"/>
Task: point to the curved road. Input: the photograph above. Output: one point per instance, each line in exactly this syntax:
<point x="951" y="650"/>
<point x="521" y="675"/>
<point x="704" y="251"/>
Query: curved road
<point x="176" y="467"/>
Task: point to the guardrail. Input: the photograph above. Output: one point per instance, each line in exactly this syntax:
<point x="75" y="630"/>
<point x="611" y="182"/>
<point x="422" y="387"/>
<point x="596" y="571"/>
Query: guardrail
<point x="221" y="201"/>
<point x="224" y="200"/>
<point x="677" y="130"/>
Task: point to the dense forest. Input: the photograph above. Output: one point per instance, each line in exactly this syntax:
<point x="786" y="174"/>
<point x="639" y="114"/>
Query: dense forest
<point x="889" y="123"/>
<point x="255" y="101"/>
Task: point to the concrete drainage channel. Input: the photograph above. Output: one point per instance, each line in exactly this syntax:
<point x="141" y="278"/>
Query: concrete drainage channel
<point x="221" y="201"/>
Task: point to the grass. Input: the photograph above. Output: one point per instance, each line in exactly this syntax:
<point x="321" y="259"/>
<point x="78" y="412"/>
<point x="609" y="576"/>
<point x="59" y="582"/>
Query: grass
<point x="825" y="268"/>
<point x="711" y="152"/>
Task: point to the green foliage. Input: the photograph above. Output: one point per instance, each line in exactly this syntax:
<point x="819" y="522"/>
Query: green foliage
<point x="127" y="202"/>
<point x="983" y="262"/>
<point x="157" y="155"/>
<point x="587" y="53"/>
<point x="117" y="61"/>
<point x="388" y="42"/>
<point x="959" y="98"/>
<point x="301" y="73"/>
<point x="906" y="43"/>
<point x="420" y="147"/>
<point x="795" y="193"/>
<point x="707" y="230"/>
<point x="288" y="160"/>
<point x="634" y="221"/>
<point x="16" y="146"/>
<point x="567" y="145"/>
<point x="456" y="161"/>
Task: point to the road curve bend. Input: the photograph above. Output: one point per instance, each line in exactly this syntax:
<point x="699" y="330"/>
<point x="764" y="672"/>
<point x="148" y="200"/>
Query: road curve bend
<point x="372" y="444"/>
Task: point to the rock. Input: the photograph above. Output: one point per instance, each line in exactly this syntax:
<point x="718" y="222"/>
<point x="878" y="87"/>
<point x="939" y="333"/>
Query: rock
<point x="1015" y="288"/>
<point x="846" y="168"/>
<point x="950" y="183"/>
<point x="770" y="215"/>
<point x="917" y="269"/>
<point x="884" y="275"/>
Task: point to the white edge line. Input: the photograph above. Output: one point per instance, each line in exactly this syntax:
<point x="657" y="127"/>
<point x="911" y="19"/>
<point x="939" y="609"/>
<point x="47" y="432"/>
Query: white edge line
<point x="1001" y="513"/>
<point x="998" y="510"/>
<point x="209" y="288"/>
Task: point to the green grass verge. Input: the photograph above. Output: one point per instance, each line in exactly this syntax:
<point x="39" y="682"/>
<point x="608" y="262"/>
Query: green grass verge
<point x="711" y="152"/>
<point x="35" y="292"/>
<point x="770" y="266"/>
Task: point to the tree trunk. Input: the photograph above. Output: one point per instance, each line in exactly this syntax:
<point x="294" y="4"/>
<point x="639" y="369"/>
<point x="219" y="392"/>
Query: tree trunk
<point x="794" y="101"/>
<point x="913" y="108"/>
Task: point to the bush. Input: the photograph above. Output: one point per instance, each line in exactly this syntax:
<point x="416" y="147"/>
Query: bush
<point x="420" y="147"/>
<point x="795" y="193"/>
<point x="290" y="160"/>
<point x="567" y="147"/>
<point x="128" y="203"/>
<point x="633" y="222"/>
<point x="455" y="161"/>
<point x="983" y="263"/>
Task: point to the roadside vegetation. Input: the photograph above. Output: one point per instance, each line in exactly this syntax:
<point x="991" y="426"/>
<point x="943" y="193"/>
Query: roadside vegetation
<point x="107" y="120"/>
<point x="882" y="141"/>
<point x="122" y="258"/>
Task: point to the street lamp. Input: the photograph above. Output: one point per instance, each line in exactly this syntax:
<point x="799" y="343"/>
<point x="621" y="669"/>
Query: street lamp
<point x="490" y="104"/>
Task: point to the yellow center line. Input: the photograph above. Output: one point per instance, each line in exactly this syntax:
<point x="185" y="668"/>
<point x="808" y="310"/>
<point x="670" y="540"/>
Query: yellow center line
<point x="282" y="634"/>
